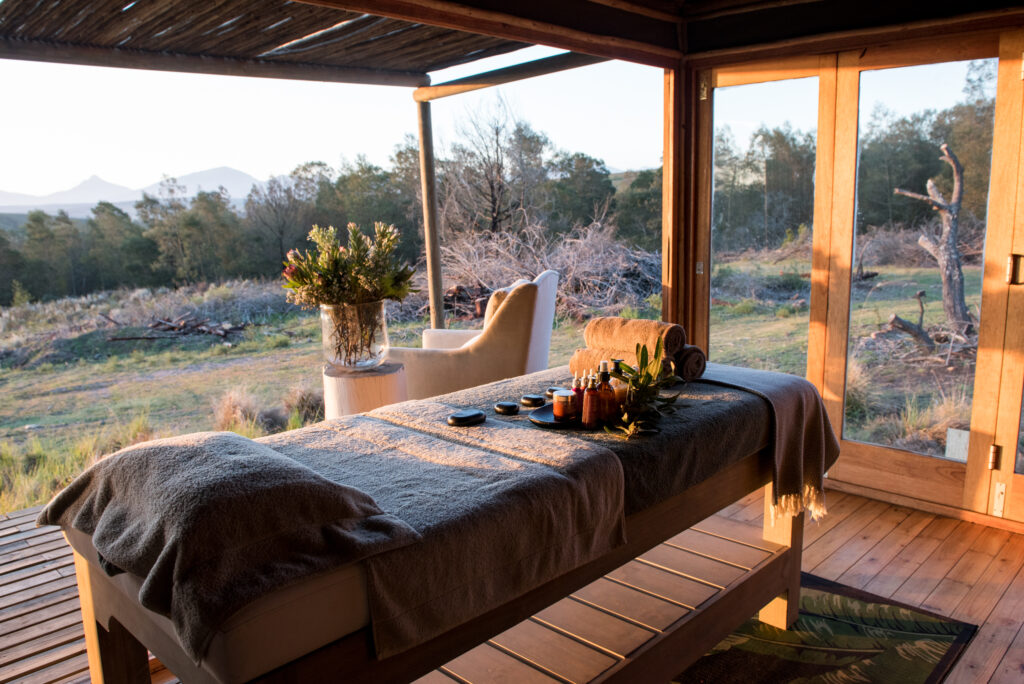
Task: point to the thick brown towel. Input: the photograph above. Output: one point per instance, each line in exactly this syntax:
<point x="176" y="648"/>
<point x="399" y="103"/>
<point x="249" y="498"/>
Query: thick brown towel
<point x="584" y="360"/>
<point x="690" y="363"/>
<point x="612" y="332"/>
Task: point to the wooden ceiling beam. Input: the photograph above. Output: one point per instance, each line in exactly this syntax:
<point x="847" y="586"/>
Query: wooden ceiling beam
<point x="538" y="67"/>
<point x="591" y="28"/>
<point x="62" y="53"/>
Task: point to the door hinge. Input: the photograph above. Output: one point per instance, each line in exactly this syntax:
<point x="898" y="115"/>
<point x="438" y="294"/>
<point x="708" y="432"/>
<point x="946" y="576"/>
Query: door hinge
<point x="995" y="453"/>
<point x="999" y="500"/>
<point x="1015" y="269"/>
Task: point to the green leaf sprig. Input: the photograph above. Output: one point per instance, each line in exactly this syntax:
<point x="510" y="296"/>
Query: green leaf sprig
<point x="645" y="403"/>
<point x="367" y="270"/>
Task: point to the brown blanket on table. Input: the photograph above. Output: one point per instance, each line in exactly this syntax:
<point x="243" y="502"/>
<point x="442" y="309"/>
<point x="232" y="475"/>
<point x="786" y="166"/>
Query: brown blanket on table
<point x="805" y="446"/>
<point x="501" y="507"/>
<point x="212" y="521"/>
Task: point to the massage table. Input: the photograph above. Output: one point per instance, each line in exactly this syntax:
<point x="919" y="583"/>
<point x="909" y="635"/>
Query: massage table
<point x="319" y="629"/>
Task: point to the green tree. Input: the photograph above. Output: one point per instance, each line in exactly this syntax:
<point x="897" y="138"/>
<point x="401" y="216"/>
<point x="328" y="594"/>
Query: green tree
<point x="12" y="265"/>
<point x="117" y="251"/>
<point x="638" y="211"/>
<point x="581" y="190"/>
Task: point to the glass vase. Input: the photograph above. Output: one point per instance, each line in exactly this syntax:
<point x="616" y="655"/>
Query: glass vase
<point x="355" y="336"/>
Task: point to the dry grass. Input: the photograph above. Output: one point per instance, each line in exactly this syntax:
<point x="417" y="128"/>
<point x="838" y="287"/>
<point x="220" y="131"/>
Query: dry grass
<point x="597" y="274"/>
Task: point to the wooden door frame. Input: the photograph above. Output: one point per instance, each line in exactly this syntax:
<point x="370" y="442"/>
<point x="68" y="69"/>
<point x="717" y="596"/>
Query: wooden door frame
<point x="1006" y="210"/>
<point x="944" y="483"/>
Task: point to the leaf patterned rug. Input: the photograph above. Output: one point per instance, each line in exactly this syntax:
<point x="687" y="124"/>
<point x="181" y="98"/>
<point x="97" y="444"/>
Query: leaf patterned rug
<point x="842" y="635"/>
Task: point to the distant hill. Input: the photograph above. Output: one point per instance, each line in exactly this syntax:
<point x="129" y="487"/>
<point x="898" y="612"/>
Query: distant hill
<point x="11" y="223"/>
<point x="79" y="200"/>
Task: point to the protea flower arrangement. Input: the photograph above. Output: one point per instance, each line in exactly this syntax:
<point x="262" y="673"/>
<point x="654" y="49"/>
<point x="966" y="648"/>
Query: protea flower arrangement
<point x="350" y="286"/>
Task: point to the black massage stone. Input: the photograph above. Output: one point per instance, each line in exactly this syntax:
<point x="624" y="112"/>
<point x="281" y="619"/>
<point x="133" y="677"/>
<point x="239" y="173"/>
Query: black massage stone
<point x="532" y="400"/>
<point x="550" y="391"/>
<point x="466" y="418"/>
<point x="506" y="408"/>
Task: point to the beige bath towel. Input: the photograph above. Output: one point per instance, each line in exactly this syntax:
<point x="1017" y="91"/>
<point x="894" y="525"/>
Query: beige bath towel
<point x="690" y="363"/>
<point x="612" y="332"/>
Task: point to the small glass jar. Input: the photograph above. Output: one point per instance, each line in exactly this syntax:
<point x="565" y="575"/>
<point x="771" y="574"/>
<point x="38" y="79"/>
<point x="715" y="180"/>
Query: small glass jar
<point x="563" y="406"/>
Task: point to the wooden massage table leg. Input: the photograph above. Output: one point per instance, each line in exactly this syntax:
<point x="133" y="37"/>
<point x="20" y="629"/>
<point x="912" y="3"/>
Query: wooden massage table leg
<point x="789" y="531"/>
<point x="115" y="656"/>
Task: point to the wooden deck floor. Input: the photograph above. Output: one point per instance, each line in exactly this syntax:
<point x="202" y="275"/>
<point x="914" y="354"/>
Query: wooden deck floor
<point x="964" y="570"/>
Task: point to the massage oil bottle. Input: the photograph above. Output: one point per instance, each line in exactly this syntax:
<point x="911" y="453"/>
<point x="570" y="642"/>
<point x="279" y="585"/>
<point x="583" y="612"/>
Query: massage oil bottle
<point x="607" y="405"/>
<point x="591" y="418"/>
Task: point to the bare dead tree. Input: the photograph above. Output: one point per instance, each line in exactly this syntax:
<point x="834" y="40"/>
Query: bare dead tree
<point x="944" y="247"/>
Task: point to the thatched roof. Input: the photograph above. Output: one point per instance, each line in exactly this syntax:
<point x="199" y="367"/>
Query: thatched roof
<point x="245" y="37"/>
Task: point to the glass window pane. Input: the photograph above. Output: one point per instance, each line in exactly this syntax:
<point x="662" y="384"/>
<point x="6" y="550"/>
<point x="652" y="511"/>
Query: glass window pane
<point x="924" y="149"/>
<point x="762" y="209"/>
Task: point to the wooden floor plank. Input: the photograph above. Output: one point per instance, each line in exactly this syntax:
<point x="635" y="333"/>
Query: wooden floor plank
<point x="485" y="664"/>
<point x="966" y="572"/>
<point x="28" y="552"/>
<point x="74" y="669"/>
<point x="847" y="555"/>
<point x="68" y="606"/>
<point x="837" y="513"/>
<point x="990" y="587"/>
<point x="42" y="628"/>
<point x="1011" y="669"/>
<point x="817" y="551"/>
<point x="33" y="555"/>
<point x="551" y="651"/>
<point x="31" y="605"/>
<point x="13" y="600"/>
<point x="596" y="627"/>
<point x="992" y="641"/>
<point x="931" y="571"/>
<point x="36" y="663"/>
<point x="871" y="563"/>
<point x="663" y="584"/>
<point x="644" y="609"/>
<point x="45" y="565"/>
<point x="907" y="561"/>
<point x="31" y="536"/>
<point x="42" y="642"/>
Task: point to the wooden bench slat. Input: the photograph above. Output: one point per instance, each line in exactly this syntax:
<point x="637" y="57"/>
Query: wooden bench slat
<point x="554" y="652"/>
<point x="687" y="563"/>
<point x="663" y="583"/>
<point x="736" y="531"/>
<point x="487" y="665"/>
<point x="597" y="627"/>
<point x="718" y="548"/>
<point x="621" y="600"/>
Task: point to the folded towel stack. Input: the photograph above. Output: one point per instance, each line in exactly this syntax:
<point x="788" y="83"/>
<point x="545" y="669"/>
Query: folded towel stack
<point x="616" y="338"/>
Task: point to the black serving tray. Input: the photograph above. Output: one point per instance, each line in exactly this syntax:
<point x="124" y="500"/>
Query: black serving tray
<point x="545" y="417"/>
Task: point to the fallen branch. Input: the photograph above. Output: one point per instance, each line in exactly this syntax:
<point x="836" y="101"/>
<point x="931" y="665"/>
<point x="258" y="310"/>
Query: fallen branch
<point x="921" y="337"/>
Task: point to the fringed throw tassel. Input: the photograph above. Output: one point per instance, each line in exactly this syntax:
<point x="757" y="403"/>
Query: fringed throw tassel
<point x="812" y="500"/>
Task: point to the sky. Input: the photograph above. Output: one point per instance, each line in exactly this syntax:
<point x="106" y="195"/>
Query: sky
<point x="903" y="91"/>
<point x="62" y="123"/>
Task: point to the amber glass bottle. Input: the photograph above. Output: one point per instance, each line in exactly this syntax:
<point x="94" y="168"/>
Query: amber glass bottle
<point x="608" y="408"/>
<point x="591" y="417"/>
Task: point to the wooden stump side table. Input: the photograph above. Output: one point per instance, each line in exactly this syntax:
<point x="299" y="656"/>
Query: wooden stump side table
<point x="348" y="392"/>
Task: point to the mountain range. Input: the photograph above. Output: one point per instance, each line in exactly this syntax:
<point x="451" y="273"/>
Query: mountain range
<point x="79" y="200"/>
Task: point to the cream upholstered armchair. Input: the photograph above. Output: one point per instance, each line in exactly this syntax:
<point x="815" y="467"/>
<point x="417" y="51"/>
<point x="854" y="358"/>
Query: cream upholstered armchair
<point x="515" y="340"/>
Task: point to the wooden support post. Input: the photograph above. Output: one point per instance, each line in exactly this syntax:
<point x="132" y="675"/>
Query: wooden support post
<point x="789" y="531"/>
<point x="431" y="239"/>
<point x="115" y="656"/>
